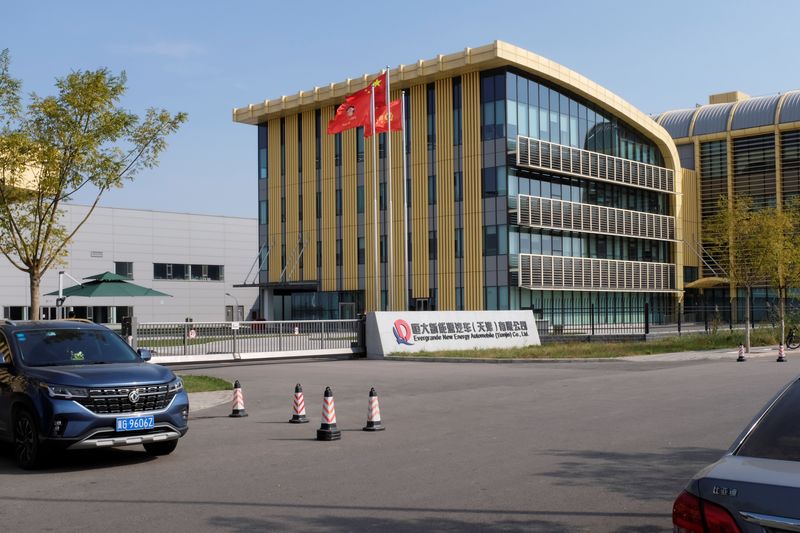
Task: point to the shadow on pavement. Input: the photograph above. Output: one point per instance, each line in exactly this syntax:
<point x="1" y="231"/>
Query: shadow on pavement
<point x="410" y="524"/>
<point x="642" y="476"/>
<point x="71" y="461"/>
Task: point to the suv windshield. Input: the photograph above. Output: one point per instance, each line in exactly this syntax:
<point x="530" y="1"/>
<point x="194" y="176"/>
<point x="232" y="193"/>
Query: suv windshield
<point x="777" y="436"/>
<point x="56" y="347"/>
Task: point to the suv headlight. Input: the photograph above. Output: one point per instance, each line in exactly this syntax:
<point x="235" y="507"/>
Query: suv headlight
<point x="175" y="385"/>
<point x="63" y="391"/>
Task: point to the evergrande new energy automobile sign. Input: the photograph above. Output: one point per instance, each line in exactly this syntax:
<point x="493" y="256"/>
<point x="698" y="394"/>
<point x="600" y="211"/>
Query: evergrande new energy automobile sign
<point x="418" y="331"/>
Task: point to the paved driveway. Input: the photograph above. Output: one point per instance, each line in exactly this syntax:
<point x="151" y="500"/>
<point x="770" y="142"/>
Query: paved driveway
<point x="534" y="447"/>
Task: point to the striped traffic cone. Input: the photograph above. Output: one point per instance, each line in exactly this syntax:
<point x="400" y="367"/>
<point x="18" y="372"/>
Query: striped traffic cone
<point x="781" y="357"/>
<point x="238" y="401"/>
<point x="373" y="413"/>
<point x="741" y="354"/>
<point x="298" y="406"/>
<point x="328" y="429"/>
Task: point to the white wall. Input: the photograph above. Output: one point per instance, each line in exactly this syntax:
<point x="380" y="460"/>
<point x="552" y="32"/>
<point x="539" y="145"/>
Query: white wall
<point x="143" y="238"/>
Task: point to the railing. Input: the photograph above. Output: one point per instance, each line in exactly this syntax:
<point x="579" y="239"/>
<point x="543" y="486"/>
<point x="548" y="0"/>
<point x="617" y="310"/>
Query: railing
<point x="538" y="212"/>
<point x="549" y="272"/>
<point x="544" y="155"/>
<point x="249" y="340"/>
<point x="592" y="320"/>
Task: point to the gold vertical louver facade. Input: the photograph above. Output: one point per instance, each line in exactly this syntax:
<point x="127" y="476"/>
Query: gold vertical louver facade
<point x="292" y="198"/>
<point x="473" y="205"/>
<point x="349" y="215"/>
<point x="445" y="202"/>
<point x="371" y="252"/>
<point x="328" y="222"/>
<point x="399" y="298"/>
<point x="274" y="236"/>
<point x="418" y="225"/>
<point x="309" y="196"/>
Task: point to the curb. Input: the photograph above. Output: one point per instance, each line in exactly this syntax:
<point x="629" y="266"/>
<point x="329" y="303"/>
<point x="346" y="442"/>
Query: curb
<point x="501" y="361"/>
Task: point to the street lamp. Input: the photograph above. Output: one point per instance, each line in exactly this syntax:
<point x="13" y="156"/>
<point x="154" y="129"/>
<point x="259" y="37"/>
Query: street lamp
<point x="235" y="299"/>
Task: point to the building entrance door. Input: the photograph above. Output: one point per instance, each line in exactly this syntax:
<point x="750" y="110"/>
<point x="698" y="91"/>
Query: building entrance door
<point x="347" y="311"/>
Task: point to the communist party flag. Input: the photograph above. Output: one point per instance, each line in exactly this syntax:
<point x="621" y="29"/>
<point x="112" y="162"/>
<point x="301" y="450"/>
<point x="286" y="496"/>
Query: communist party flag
<point x="382" y="119"/>
<point x="354" y="111"/>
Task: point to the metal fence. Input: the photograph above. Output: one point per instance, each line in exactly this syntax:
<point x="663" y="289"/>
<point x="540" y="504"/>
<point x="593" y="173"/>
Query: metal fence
<point x="592" y="320"/>
<point x="242" y="340"/>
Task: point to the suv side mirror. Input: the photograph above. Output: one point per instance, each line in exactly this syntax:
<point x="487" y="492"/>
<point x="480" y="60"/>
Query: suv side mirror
<point x="144" y="353"/>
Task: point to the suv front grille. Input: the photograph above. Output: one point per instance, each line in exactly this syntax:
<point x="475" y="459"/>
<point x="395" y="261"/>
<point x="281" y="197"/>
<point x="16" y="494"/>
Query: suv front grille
<point x="116" y="400"/>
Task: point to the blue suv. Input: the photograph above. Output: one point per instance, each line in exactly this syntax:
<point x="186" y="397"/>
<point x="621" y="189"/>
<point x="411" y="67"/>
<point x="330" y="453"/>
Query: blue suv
<point x="77" y="385"/>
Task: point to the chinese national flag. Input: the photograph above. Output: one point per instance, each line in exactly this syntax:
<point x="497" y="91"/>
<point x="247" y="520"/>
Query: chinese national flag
<point x="382" y="119"/>
<point x="354" y="111"/>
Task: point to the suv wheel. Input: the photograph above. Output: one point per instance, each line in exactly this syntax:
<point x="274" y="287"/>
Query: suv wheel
<point x="26" y="440"/>
<point x="161" y="448"/>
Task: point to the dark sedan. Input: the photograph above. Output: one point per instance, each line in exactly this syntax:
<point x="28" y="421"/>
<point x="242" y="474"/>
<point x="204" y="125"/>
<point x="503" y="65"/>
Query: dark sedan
<point x="755" y="486"/>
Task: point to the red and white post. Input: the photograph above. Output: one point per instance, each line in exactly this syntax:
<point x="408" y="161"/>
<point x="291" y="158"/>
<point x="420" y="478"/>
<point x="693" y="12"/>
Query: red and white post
<point x="373" y="413"/>
<point x="238" y="401"/>
<point x="298" y="407"/>
<point x="328" y="429"/>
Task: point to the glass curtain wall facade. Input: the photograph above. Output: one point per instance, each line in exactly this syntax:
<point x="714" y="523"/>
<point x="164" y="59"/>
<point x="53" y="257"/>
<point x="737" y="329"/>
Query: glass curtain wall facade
<point x="513" y="104"/>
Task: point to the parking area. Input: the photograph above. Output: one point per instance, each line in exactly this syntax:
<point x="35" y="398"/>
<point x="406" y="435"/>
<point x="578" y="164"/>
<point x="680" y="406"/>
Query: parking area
<point x="490" y="447"/>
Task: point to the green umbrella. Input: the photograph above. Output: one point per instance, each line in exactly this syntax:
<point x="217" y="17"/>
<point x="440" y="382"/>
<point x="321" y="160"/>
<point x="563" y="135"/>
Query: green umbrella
<point x="107" y="285"/>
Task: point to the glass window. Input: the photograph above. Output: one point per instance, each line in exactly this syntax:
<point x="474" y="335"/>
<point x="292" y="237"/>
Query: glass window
<point x="489" y="182"/>
<point x="458" y="186"/>
<point x="432" y="190"/>
<point x="124" y="268"/>
<point x="338" y="202"/>
<point x="338" y="252"/>
<point x="489" y="240"/>
<point x="262" y="212"/>
<point x="459" y="245"/>
<point x="502" y="298"/>
<point x="361" y="250"/>
<point x="777" y="435"/>
<point x="491" y="298"/>
<point x="511" y="86"/>
<point x="432" y="245"/>
<point x="382" y="196"/>
<point x="360" y="199"/>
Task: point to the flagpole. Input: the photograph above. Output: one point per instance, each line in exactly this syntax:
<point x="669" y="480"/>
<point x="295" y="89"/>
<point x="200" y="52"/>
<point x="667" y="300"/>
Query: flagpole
<point x="389" y="221"/>
<point x="405" y="202"/>
<point x="375" y="193"/>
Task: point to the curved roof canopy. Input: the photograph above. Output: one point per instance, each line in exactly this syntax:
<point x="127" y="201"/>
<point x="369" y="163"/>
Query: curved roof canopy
<point x="494" y="55"/>
<point x="716" y="118"/>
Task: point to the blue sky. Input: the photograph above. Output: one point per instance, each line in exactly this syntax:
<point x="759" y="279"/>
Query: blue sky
<point x="205" y="58"/>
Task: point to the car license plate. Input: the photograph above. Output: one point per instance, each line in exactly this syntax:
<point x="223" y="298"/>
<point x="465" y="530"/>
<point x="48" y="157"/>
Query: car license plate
<point x="135" y="423"/>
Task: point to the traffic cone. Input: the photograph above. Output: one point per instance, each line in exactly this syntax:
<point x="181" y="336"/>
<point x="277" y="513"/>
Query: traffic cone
<point x="373" y="413"/>
<point x="781" y="358"/>
<point x="741" y="354"/>
<point x="298" y="406"/>
<point x="238" y="401"/>
<point x="328" y="429"/>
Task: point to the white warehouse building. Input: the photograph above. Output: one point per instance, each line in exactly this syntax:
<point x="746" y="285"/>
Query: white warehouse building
<point x="196" y="259"/>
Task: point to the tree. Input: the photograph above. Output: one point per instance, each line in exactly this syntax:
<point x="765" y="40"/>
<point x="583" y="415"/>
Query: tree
<point x="739" y="236"/>
<point x="55" y="146"/>
<point x="782" y="252"/>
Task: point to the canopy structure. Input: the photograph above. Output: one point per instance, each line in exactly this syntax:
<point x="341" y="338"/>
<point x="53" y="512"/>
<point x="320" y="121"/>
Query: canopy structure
<point x="708" y="283"/>
<point x="107" y="285"/>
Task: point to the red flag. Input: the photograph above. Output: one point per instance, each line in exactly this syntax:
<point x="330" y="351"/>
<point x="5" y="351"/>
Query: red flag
<point x="354" y="111"/>
<point x="382" y="119"/>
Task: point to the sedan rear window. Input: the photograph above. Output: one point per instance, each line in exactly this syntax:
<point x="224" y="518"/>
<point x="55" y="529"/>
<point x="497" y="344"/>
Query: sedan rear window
<point x="56" y="347"/>
<point x="777" y="435"/>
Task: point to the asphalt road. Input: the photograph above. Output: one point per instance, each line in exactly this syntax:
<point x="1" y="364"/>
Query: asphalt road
<point x="533" y="447"/>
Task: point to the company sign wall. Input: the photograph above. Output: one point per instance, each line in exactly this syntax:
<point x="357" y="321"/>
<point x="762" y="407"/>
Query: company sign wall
<point x="419" y="331"/>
